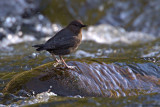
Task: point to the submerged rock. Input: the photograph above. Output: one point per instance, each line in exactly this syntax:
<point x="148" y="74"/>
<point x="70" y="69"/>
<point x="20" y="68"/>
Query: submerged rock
<point x="91" y="77"/>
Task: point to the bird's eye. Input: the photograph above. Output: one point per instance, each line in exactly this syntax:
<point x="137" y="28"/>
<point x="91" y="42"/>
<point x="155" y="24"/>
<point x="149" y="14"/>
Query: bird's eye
<point x="76" y="25"/>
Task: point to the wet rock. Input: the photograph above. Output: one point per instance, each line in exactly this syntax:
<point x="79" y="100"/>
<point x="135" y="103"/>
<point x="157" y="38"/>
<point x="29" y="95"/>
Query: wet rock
<point x="91" y="77"/>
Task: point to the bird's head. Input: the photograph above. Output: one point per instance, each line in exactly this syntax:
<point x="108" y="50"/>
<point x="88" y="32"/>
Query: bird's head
<point x="76" y="26"/>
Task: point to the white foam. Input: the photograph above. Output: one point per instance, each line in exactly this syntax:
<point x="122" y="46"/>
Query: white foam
<point x="14" y="39"/>
<point x="152" y="54"/>
<point x="81" y="53"/>
<point x="108" y="34"/>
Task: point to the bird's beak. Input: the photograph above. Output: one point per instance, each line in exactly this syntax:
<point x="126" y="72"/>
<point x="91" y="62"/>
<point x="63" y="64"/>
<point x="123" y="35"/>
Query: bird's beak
<point x="83" y="25"/>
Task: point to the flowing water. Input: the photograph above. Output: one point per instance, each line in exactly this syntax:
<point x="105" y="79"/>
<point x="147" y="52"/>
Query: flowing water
<point x="117" y="64"/>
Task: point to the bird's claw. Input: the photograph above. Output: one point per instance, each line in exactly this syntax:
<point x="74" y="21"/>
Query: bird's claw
<point x="70" y="67"/>
<point x="56" y="64"/>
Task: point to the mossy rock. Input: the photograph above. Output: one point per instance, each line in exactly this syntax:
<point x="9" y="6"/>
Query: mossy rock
<point x="91" y="77"/>
<point x="42" y="78"/>
<point x="36" y="78"/>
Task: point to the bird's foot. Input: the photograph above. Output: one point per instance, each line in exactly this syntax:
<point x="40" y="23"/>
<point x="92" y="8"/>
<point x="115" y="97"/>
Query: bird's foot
<point x="56" y="64"/>
<point x="59" y="61"/>
<point x="70" y="67"/>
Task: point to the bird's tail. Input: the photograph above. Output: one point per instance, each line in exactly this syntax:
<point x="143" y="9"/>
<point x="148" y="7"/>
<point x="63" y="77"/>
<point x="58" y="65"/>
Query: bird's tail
<point x="39" y="47"/>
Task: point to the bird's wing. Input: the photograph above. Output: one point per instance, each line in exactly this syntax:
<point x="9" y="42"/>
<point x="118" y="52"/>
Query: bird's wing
<point x="63" y="39"/>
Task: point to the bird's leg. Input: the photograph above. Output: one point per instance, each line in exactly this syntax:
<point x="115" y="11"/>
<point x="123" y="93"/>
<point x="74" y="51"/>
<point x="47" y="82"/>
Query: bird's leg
<point x="70" y="67"/>
<point x="57" y="60"/>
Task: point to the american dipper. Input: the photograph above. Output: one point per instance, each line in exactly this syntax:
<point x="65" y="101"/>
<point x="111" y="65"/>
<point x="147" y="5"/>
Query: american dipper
<point x="64" y="42"/>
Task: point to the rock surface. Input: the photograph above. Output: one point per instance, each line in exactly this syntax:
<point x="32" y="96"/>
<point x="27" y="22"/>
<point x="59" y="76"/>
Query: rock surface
<point x="92" y="77"/>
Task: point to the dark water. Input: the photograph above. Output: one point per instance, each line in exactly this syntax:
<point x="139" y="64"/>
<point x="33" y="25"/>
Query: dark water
<point x="125" y="32"/>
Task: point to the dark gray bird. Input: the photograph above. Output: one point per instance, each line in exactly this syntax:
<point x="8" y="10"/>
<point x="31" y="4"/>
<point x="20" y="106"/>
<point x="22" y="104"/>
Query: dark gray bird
<point x="64" y="42"/>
